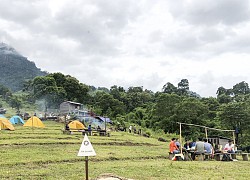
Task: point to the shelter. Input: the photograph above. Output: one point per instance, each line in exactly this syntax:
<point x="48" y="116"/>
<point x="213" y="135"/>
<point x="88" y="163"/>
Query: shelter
<point x="206" y="128"/>
<point x="104" y="119"/>
<point x="16" y="120"/>
<point x="5" y="124"/>
<point x="218" y="140"/>
<point x="69" y="106"/>
<point x="34" y="122"/>
<point x="76" y="125"/>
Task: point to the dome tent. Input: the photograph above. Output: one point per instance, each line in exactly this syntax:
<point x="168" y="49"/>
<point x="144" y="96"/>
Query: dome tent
<point x="34" y="122"/>
<point x="76" y="125"/>
<point x="5" y="124"/>
<point x="16" y="120"/>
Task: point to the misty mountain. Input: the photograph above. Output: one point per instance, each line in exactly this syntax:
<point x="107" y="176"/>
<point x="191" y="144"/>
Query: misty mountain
<point x="15" y="69"/>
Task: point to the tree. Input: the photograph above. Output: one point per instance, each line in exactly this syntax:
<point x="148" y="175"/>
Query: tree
<point x="223" y="98"/>
<point x="164" y="111"/>
<point x="5" y="92"/>
<point x="235" y="114"/>
<point x="241" y="88"/>
<point x="44" y="87"/>
<point x="109" y="105"/>
<point x="192" y="111"/>
<point x="15" y="102"/>
<point x="213" y="106"/>
<point x="169" y="88"/>
<point x="117" y="92"/>
<point x="183" y="87"/>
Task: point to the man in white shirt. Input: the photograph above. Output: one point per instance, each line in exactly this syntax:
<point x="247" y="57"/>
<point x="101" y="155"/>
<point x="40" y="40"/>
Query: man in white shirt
<point x="229" y="147"/>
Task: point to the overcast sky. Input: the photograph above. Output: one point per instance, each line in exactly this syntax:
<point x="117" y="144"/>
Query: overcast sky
<point x="134" y="42"/>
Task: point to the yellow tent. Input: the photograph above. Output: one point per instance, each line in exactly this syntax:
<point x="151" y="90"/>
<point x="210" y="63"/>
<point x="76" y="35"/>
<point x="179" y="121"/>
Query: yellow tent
<point x="34" y="122"/>
<point x="5" y="124"/>
<point x="76" y="125"/>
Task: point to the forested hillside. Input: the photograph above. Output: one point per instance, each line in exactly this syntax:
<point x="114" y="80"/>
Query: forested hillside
<point x="159" y="111"/>
<point x="16" y="69"/>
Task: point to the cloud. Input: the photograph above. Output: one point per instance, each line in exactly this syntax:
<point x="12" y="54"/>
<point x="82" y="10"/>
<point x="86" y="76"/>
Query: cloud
<point x="208" y="12"/>
<point x="133" y="43"/>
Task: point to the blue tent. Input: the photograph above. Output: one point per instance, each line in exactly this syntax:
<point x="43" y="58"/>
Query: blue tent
<point x="2" y="116"/>
<point x="16" y="120"/>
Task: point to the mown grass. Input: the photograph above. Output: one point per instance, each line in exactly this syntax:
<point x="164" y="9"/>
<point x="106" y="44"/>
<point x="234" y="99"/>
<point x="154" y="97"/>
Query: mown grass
<point x="28" y="153"/>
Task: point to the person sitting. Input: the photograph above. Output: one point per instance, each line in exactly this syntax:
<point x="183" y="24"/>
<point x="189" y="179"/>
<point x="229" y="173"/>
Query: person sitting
<point x="178" y="144"/>
<point x="199" y="148"/>
<point x="229" y="147"/>
<point x="208" y="148"/>
<point x="172" y="147"/>
<point x="192" y="145"/>
<point x="186" y="145"/>
<point x="98" y="128"/>
<point x="67" y="126"/>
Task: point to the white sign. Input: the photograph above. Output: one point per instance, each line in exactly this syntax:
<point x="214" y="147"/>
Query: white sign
<point x="86" y="148"/>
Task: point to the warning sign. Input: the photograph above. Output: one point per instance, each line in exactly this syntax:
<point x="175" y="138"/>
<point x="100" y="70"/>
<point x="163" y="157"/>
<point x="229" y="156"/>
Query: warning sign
<point x="86" y="148"/>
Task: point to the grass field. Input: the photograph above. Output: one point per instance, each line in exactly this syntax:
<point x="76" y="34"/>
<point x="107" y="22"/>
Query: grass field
<point x="28" y="153"/>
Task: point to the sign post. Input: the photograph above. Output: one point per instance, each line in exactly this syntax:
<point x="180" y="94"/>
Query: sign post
<point x="86" y="150"/>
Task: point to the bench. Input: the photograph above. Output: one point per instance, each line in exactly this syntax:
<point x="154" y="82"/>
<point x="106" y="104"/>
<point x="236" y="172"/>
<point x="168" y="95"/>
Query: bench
<point x="245" y="156"/>
<point x="100" y="133"/>
<point x="199" y="157"/>
<point x="233" y="155"/>
<point x="187" y="156"/>
<point x="170" y="155"/>
<point x="72" y="131"/>
<point x="207" y="156"/>
<point x="218" y="156"/>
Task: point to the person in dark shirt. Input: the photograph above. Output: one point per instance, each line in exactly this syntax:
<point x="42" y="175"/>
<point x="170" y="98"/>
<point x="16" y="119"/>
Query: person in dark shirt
<point x="89" y="130"/>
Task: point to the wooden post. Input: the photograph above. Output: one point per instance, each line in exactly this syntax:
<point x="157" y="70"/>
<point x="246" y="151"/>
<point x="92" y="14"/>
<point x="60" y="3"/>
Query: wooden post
<point x="180" y="138"/>
<point x="86" y="167"/>
<point x="234" y="138"/>
<point x="206" y="133"/>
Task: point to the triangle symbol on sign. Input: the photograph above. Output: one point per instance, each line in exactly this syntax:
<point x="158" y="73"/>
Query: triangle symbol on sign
<point x="86" y="148"/>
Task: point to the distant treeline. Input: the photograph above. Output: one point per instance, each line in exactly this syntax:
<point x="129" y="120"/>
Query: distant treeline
<point x="156" y="110"/>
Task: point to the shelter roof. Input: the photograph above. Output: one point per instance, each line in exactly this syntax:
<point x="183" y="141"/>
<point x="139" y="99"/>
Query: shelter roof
<point x="104" y="119"/>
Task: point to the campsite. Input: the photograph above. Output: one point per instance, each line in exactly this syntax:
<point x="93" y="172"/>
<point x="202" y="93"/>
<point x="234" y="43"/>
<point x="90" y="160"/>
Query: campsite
<point x="47" y="153"/>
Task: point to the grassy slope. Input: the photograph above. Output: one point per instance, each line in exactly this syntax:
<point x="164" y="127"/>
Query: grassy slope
<point x="49" y="154"/>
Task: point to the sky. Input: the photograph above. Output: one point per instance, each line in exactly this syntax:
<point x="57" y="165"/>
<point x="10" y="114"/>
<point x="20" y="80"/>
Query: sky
<point x="134" y="43"/>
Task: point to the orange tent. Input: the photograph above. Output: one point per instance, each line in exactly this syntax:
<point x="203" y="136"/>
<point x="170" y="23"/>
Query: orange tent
<point x="5" y="124"/>
<point x="34" y="122"/>
<point x="76" y="125"/>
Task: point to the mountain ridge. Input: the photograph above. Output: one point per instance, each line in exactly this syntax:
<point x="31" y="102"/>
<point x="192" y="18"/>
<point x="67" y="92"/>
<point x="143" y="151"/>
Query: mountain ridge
<point x="16" y="69"/>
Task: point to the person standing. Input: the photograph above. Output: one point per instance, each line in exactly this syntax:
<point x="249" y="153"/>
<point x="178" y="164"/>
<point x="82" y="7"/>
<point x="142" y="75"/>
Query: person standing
<point x="130" y="129"/>
<point x="89" y="130"/>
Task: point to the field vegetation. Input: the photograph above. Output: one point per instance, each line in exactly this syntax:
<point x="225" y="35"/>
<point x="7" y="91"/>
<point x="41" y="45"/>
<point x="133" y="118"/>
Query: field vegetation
<point x="47" y="153"/>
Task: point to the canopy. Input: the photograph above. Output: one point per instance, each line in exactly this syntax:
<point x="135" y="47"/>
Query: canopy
<point x="16" y="120"/>
<point x="5" y="124"/>
<point x="104" y="119"/>
<point x="76" y="125"/>
<point x="34" y="122"/>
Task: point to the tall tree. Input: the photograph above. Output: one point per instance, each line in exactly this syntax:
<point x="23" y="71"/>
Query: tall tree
<point x="183" y="87"/>
<point x="169" y="88"/>
<point x="241" y="88"/>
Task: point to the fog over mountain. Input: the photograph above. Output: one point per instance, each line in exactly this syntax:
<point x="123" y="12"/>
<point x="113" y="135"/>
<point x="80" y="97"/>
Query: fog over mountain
<point x="16" y="69"/>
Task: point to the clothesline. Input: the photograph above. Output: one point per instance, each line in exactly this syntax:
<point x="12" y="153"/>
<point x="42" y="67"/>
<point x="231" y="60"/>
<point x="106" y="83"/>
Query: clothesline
<point x="206" y="127"/>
